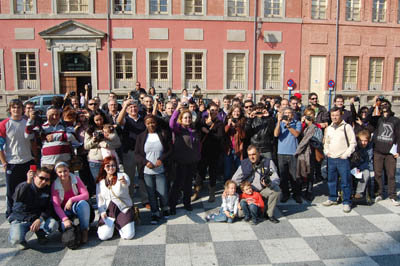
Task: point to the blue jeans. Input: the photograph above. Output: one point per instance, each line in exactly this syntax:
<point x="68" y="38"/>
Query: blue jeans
<point x="340" y="167"/>
<point x="221" y="217"/>
<point x="249" y="210"/>
<point x="19" y="229"/>
<point x="81" y="209"/>
<point x="156" y="183"/>
<point x="231" y="164"/>
<point x="94" y="169"/>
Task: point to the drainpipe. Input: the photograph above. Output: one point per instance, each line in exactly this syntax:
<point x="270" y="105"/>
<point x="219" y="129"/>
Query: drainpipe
<point x="255" y="50"/>
<point x="109" y="45"/>
<point x="52" y="68"/>
<point x="337" y="44"/>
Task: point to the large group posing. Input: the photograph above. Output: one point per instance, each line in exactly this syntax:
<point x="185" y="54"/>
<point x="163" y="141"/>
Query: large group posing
<point x="88" y="156"/>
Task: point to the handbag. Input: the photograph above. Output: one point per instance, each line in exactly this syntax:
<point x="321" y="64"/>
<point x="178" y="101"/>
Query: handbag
<point x="319" y="156"/>
<point x="135" y="210"/>
<point x="71" y="237"/>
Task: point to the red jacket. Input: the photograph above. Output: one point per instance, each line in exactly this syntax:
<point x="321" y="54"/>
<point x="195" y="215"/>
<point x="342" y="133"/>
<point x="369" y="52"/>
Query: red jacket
<point x="258" y="200"/>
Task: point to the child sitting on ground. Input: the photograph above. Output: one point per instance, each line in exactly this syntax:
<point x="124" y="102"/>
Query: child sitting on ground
<point x="229" y="207"/>
<point x="251" y="203"/>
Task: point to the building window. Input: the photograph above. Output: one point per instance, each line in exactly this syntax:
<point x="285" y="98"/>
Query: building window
<point x="123" y="6"/>
<point x="272" y="69"/>
<point x="26" y="69"/>
<point x="237" y="8"/>
<point x="396" y="79"/>
<point x="375" y="73"/>
<point x="350" y="72"/>
<point x="159" y="7"/>
<point x="24" y="6"/>
<point x="194" y="7"/>
<point x="236" y="69"/>
<point x="353" y="8"/>
<point x="379" y="10"/>
<point x="123" y="70"/>
<point x="273" y="8"/>
<point x="73" y="6"/>
<point x="318" y="9"/>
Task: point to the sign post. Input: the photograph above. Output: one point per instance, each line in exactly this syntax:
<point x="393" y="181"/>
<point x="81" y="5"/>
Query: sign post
<point x="290" y="84"/>
<point x="331" y="85"/>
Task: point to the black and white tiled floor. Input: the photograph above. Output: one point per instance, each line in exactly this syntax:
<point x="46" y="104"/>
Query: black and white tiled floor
<point x="308" y="234"/>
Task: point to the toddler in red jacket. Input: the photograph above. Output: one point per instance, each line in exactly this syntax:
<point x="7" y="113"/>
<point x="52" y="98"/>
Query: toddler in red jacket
<point x="251" y="203"/>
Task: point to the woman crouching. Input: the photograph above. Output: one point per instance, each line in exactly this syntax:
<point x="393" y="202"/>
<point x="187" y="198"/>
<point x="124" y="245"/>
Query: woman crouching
<point x="114" y="202"/>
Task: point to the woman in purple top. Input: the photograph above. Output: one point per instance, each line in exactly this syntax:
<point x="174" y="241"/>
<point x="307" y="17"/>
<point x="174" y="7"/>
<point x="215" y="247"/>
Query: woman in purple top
<point x="186" y="156"/>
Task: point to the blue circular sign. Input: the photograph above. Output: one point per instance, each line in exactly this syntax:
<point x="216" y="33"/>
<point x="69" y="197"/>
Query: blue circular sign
<point x="331" y="84"/>
<point x="290" y="82"/>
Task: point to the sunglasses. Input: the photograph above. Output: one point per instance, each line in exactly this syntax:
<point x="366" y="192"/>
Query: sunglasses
<point x="92" y="103"/>
<point x="45" y="179"/>
<point x="314" y="98"/>
<point x="248" y="106"/>
<point x="110" y="166"/>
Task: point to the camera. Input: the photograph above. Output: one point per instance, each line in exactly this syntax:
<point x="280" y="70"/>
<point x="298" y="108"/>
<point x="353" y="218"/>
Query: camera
<point x="234" y="120"/>
<point x="380" y="98"/>
<point x="72" y="94"/>
<point x="98" y="135"/>
<point x="185" y="105"/>
<point x="308" y="117"/>
<point x="134" y="95"/>
<point x="285" y="117"/>
<point x="160" y="98"/>
<point x="266" y="177"/>
<point x="357" y="99"/>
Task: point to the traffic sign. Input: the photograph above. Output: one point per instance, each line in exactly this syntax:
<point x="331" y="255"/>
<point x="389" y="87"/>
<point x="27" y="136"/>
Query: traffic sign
<point x="290" y="82"/>
<point x="331" y="84"/>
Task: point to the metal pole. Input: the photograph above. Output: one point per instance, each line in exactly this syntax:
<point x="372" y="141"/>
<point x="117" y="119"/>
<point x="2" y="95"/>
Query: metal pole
<point x="337" y="45"/>
<point x="255" y="50"/>
<point x="109" y="46"/>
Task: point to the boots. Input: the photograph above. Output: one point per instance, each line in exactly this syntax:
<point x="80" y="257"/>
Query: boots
<point x="84" y="237"/>
<point x="211" y="191"/>
<point x="196" y="193"/>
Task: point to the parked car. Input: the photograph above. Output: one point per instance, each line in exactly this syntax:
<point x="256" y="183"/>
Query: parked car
<point x="42" y="102"/>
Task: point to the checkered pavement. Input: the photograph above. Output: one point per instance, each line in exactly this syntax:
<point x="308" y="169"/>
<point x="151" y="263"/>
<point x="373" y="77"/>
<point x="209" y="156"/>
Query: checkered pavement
<point x="308" y="234"/>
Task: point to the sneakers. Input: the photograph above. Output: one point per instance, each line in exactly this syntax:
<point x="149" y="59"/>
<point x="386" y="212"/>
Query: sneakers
<point x="154" y="219"/>
<point x="285" y="198"/>
<point x="346" y="208"/>
<point x="377" y="199"/>
<point x="166" y="214"/>
<point x="328" y="203"/>
<point x="395" y="202"/>
<point x="298" y="199"/>
<point x="21" y="246"/>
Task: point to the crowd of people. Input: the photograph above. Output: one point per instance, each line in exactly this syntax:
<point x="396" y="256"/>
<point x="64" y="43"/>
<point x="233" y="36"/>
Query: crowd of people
<point x="89" y="156"/>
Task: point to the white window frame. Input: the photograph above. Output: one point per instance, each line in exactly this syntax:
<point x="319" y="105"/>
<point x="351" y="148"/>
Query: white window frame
<point x="348" y="84"/>
<point x="167" y="84"/>
<point x="90" y="8"/>
<point x="372" y="84"/>
<point x="204" y="8"/>
<point x="246" y="71"/>
<point x="130" y="84"/>
<point x="13" y="7"/>
<point x="203" y="83"/>
<point x="377" y="11"/>
<point x="245" y="13"/>
<point x="396" y="76"/>
<point x="351" y="6"/>
<point x="319" y="9"/>
<point x="2" y="79"/>
<point x="282" y="61"/>
<point x="282" y="8"/>
<point x="169" y="8"/>
<point x="133" y="8"/>
<point x="36" y="86"/>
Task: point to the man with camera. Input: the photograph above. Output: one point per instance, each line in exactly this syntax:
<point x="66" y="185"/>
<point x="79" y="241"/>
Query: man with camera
<point x="262" y="174"/>
<point x="386" y="139"/>
<point x="111" y="97"/>
<point x="287" y="130"/>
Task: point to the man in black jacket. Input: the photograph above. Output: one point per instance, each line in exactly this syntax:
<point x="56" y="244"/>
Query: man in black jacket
<point x="386" y="137"/>
<point x="31" y="209"/>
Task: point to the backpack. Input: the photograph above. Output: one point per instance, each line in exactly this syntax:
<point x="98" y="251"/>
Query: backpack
<point x="71" y="237"/>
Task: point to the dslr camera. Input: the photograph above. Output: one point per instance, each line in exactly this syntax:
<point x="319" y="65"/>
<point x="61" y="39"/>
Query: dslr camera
<point x="266" y="177"/>
<point x="285" y="117"/>
<point x="98" y="135"/>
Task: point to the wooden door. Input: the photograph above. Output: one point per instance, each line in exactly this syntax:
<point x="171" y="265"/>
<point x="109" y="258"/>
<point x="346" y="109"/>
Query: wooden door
<point x="317" y="77"/>
<point x="68" y="84"/>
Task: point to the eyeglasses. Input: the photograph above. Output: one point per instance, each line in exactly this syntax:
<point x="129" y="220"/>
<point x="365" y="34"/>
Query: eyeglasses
<point x="141" y="98"/>
<point x="314" y="98"/>
<point x="110" y="166"/>
<point x="248" y="106"/>
<point x="45" y="179"/>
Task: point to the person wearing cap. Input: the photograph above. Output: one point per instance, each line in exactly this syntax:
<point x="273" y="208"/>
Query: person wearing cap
<point x="15" y="149"/>
<point x="56" y="138"/>
<point x="299" y="103"/>
<point x="69" y="196"/>
<point x="386" y="140"/>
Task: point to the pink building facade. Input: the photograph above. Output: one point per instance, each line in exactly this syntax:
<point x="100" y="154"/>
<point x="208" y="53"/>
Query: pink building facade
<point x="57" y="46"/>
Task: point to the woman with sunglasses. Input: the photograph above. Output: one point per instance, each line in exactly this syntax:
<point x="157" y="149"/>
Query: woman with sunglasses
<point x="114" y="202"/>
<point x="69" y="196"/>
<point x="95" y="140"/>
<point x="153" y="149"/>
